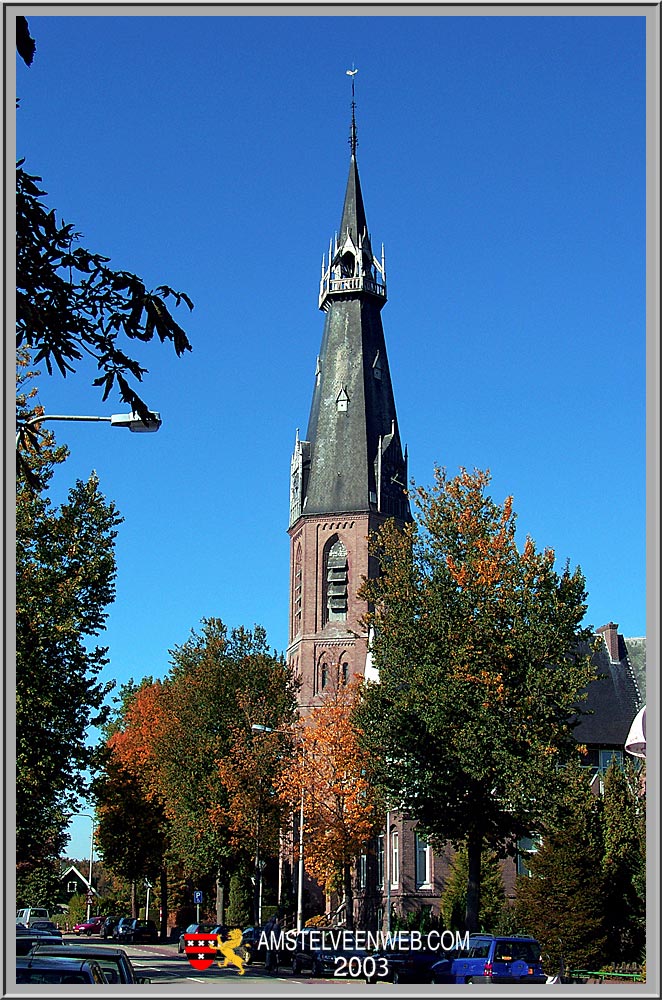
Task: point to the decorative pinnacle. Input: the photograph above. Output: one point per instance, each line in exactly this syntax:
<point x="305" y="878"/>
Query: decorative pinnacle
<point x="353" y="142"/>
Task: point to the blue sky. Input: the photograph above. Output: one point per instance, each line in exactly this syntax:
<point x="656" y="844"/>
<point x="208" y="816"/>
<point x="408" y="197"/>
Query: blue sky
<point x="502" y="164"/>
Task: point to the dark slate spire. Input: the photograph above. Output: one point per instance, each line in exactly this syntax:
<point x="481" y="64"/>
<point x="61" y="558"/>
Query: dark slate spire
<point x="353" y="222"/>
<point x="353" y="213"/>
<point x="352" y="458"/>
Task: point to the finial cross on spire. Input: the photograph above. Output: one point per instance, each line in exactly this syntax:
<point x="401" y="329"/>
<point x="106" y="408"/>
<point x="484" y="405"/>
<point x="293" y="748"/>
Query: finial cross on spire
<point x="353" y="142"/>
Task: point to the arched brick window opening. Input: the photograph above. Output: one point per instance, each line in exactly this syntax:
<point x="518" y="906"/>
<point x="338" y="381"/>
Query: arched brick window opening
<point x="296" y="594"/>
<point x="336" y="579"/>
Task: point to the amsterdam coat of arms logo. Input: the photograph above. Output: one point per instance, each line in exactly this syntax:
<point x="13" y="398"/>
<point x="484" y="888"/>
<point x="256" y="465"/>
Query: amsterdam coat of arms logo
<point x="201" y="950"/>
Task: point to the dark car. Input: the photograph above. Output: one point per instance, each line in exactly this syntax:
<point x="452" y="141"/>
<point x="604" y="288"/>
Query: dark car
<point x="26" y="938"/>
<point x="325" y="951"/>
<point x="46" y="925"/>
<point x="115" y="963"/>
<point x="492" y="959"/>
<point x="250" y="948"/>
<point x="193" y="929"/>
<point x="121" y="923"/>
<point x="33" y="969"/>
<point x="108" y="926"/>
<point x="129" y="931"/>
<point x="405" y="961"/>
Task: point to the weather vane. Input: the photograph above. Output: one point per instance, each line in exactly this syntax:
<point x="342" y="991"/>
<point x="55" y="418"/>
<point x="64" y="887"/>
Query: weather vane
<point x="352" y="135"/>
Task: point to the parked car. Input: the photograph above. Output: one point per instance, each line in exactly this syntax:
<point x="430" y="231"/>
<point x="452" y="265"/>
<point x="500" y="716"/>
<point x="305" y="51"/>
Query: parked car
<point x="117" y="929"/>
<point x="250" y="949"/>
<point x="402" y="963"/>
<point x="108" y="926"/>
<point x="129" y="931"/>
<point x="33" y="969"/>
<point x="492" y="959"/>
<point x="193" y="929"/>
<point x="26" y="938"/>
<point x="28" y="914"/>
<point x="115" y="963"/>
<point x="46" y="925"/>
<point x="89" y="927"/>
<point x="318" y="953"/>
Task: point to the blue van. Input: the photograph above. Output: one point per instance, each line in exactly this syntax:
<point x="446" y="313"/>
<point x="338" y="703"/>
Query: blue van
<point x="492" y="959"/>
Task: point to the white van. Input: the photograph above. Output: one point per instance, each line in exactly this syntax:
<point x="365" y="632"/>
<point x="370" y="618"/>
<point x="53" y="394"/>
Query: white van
<point x="30" y="914"/>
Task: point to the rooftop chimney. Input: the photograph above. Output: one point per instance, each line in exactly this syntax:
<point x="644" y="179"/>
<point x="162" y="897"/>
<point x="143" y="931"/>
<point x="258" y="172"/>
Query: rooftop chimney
<point x="610" y="634"/>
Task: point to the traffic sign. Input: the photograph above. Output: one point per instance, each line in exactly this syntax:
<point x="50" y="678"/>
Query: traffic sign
<point x="197" y="896"/>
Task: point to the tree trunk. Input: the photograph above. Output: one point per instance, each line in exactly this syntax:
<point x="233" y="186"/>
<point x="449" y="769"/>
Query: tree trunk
<point x="134" y="901"/>
<point x="164" y="904"/>
<point x="474" y="852"/>
<point x="220" y="900"/>
<point x="349" y="898"/>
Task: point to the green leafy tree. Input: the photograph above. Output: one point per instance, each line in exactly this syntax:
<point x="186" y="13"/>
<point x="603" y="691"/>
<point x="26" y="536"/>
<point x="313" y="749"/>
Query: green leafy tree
<point x="65" y="577"/>
<point x="178" y="736"/>
<point x="480" y="674"/>
<point x="492" y="895"/>
<point x="238" y="913"/>
<point x="564" y="901"/>
<point x="624" y="863"/>
<point x="132" y="830"/>
<point x="70" y="305"/>
<point x="219" y="682"/>
<point x="38" y="884"/>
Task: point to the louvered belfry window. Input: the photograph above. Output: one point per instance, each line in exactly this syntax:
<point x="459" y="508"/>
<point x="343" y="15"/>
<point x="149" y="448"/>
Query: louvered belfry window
<point x="336" y="582"/>
<point x="296" y="602"/>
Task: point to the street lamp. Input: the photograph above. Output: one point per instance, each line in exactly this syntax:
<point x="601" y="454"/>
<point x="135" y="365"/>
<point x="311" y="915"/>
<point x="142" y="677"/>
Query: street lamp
<point x="301" y="866"/>
<point x="256" y="727"/>
<point x="131" y="420"/>
<point x="89" y="889"/>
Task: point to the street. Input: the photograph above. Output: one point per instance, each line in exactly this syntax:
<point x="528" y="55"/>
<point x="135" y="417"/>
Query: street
<point x="164" y="966"/>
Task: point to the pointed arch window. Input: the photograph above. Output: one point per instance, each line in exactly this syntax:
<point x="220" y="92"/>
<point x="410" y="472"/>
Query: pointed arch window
<point x="336" y="582"/>
<point x="347" y="264"/>
<point x="322" y="674"/>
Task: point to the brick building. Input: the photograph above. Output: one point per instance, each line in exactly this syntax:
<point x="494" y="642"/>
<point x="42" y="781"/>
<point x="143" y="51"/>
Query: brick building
<point x="348" y="475"/>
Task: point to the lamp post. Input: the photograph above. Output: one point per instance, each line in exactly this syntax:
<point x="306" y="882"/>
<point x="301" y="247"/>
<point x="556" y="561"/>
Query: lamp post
<point x="301" y="866"/>
<point x="388" y="871"/>
<point x="130" y="420"/>
<point x="258" y="728"/>
<point x="89" y="879"/>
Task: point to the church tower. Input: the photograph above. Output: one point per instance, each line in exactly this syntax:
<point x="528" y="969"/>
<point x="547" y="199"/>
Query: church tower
<point x="349" y="474"/>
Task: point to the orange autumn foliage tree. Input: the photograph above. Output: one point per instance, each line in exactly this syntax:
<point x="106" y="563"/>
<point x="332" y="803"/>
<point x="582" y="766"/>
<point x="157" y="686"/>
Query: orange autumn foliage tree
<point x="483" y="666"/>
<point x="340" y="807"/>
<point x="179" y="738"/>
<point x="132" y="829"/>
<point x="135" y="744"/>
